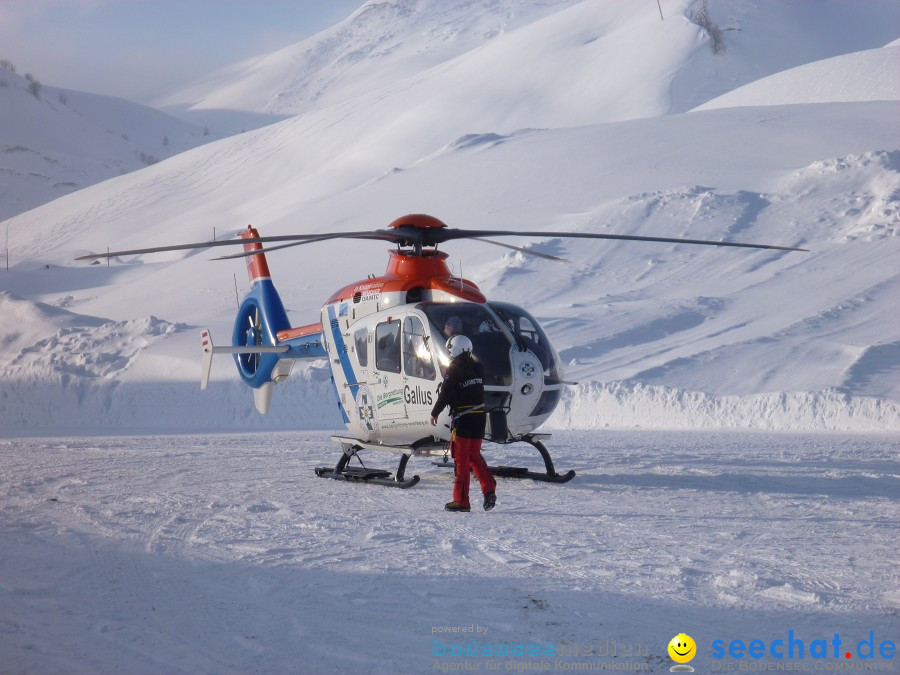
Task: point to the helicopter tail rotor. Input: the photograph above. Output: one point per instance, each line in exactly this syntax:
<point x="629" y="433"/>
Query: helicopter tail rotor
<point x="259" y="319"/>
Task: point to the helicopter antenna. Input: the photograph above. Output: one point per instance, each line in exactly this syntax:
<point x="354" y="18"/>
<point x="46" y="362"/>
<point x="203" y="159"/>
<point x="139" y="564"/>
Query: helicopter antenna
<point x="236" y="298"/>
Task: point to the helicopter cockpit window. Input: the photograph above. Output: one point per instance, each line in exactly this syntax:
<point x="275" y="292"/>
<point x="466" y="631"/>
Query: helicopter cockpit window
<point x="362" y="351"/>
<point x="528" y="331"/>
<point x="416" y="354"/>
<point x="490" y="341"/>
<point x="387" y="346"/>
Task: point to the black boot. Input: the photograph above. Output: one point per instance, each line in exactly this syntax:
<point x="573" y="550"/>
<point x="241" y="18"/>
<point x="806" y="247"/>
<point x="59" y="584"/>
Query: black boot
<point x="490" y="501"/>
<point x="453" y="506"/>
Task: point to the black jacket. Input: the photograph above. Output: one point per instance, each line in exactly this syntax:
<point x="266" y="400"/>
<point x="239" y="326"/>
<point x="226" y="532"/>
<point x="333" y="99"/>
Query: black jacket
<point x="463" y="391"/>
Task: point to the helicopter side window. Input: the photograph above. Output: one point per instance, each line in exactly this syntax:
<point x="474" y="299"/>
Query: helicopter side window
<point x="362" y="352"/>
<point x="417" y="360"/>
<point x="527" y="330"/>
<point x="387" y="346"/>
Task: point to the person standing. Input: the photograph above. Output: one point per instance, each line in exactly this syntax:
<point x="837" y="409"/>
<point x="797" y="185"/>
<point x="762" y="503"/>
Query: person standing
<point x="463" y="391"/>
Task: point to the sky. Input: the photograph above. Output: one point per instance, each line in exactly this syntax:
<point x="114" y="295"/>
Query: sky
<point x="138" y="48"/>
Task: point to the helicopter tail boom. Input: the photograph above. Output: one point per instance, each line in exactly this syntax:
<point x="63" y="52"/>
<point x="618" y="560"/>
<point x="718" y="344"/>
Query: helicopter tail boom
<point x="263" y="343"/>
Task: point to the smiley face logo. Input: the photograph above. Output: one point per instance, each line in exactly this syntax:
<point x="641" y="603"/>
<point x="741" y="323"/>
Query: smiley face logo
<point x="682" y="648"/>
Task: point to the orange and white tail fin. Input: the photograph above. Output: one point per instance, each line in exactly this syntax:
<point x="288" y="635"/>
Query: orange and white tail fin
<point x="257" y="267"/>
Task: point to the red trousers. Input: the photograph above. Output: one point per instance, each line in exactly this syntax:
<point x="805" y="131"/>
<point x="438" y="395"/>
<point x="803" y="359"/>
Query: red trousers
<point x="467" y="453"/>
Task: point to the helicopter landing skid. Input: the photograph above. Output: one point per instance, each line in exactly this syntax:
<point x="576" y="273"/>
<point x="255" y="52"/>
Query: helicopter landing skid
<point x="364" y="474"/>
<point x="548" y="476"/>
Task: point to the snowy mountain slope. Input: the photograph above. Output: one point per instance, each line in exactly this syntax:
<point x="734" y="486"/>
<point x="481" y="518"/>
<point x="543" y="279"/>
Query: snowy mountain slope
<point x="378" y="44"/>
<point x="764" y="38"/>
<point x="871" y="75"/>
<point x="61" y="141"/>
<point x="675" y="317"/>
<point x="598" y="44"/>
<point x="544" y="74"/>
<point x="664" y="331"/>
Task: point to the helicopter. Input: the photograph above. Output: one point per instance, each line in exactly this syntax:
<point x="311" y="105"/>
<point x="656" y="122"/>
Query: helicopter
<point x="384" y="342"/>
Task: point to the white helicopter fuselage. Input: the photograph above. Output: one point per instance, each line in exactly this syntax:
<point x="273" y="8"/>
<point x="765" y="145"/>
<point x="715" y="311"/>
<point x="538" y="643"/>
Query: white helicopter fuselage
<point x="384" y="339"/>
<point x="387" y="359"/>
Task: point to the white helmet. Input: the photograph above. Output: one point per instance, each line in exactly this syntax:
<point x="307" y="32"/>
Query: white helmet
<point x="458" y="344"/>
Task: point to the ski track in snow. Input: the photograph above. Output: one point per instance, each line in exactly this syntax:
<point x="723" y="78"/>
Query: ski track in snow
<point x="224" y="553"/>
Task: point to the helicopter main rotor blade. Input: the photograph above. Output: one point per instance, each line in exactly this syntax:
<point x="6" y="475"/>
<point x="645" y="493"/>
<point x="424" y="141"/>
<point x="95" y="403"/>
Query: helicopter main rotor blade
<point x="244" y="254"/>
<point x="451" y="234"/>
<point x="302" y="238"/>
<point x="408" y="235"/>
<point x="385" y="236"/>
<point x="528" y="251"/>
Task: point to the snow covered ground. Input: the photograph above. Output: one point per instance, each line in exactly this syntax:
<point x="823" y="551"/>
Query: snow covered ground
<point x="223" y="553"/>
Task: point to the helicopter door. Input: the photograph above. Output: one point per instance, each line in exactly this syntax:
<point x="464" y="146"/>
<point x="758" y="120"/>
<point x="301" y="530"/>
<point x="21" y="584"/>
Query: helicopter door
<point x="390" y="402"/>
<point x="420" y="375"/>
<point x="417" y="361"/>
